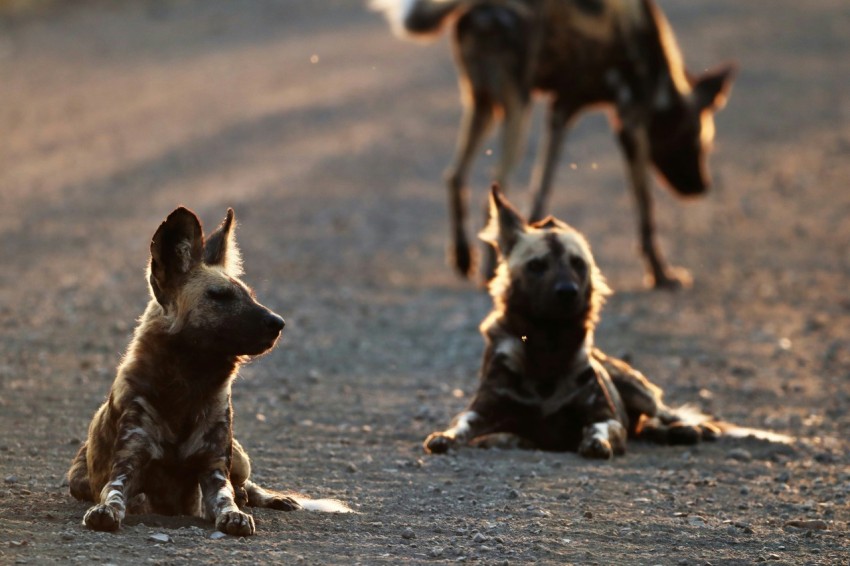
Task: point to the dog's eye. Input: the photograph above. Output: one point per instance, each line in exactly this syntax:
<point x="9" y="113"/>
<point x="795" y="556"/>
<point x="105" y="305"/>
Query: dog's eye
<point x="220" y="294"/>
<point x="537" y="266"/>
<point x="578" y="264"/>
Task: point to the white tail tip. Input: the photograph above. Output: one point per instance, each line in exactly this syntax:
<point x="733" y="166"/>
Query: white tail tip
<point x="323" y="505"/>
<point x="745" y="432"/>
<point x="691" y="415"/>
<point x="395" y="11"/>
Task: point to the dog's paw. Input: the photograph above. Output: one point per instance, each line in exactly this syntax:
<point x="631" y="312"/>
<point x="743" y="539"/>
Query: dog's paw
<point x="461" y="257"/>
<point x="596" y="448"/>
<point x="283" y="503"/>
<point x="235" y="523"/>
<point x="438" y="443"/>
<point x="683" y="435"/>
<point x="709" y="432"/>
<point x="102" y="518"/>
<point x="670" y="279"/>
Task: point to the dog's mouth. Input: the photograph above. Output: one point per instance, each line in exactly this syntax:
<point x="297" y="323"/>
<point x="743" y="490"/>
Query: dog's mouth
<point x="272" y="340"/>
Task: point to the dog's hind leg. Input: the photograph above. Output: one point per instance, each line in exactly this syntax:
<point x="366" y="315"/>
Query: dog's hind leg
<point x="515" y="106"/>
<point x="249" y="493"/>
<point x="78" y="476"/>
<point x="476" y="121"/>
<point x="634" y="141"/>
<point x="547" y="162"/>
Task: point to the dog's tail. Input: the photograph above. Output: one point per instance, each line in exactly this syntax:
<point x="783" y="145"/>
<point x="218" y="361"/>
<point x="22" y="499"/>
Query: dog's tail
<point x="419" y="18"/>
<point x="260" y="497"/>
<point x="691" y="416"/>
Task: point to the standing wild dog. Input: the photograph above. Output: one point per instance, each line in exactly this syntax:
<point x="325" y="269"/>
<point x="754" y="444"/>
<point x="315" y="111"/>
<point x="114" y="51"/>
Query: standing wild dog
<point x="579" y="53"/>
<point x="163" y="440"/>
<point x="542" y="379"/>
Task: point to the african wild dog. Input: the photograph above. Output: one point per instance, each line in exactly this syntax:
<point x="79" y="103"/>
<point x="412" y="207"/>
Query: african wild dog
<point x="542" y="379"/>
<point x="580" y="54"/>
<point x="163" y="440"/>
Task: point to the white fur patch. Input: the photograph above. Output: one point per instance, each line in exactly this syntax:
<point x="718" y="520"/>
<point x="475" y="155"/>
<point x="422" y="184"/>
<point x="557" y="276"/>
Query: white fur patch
<point x="601" y="431"/>
<point x="610" y="430"/>
<point x="514" y="352"/>
<point x="135" y="431"/>
<point x="463" y="425"/>
<point x="395" y="11"/>
<point x="323" y="505"/>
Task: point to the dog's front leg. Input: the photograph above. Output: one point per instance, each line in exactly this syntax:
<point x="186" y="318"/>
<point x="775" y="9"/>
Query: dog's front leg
<point x="604" y="435"/>
<point x="603" y="440"/>
<point x="216" y="487"/>
<point x="132" y="450"/>
<point x="220" y="503"/>
<point x="634" y="140"/>
<point x="465" y="426"/>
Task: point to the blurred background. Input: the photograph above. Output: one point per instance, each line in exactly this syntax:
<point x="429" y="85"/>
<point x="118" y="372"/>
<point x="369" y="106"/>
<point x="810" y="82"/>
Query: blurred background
<point x="329" y="137"/>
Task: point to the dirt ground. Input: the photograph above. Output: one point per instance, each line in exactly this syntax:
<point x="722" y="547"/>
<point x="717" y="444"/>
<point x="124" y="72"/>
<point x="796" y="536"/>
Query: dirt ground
<point x="329" y="137"/>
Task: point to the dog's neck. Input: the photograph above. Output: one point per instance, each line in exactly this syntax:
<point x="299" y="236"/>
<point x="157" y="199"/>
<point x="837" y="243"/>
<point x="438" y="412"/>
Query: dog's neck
<point x="549" y="339"/>
<point x="161" y="361"/>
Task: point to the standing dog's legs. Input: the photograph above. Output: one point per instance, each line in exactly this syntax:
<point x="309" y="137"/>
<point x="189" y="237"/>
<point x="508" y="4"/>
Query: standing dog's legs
<point x="515" y="106"/>
<point x="635" y="144"/>
<point x="477" y="117"/>
<point x="547" y="161"/>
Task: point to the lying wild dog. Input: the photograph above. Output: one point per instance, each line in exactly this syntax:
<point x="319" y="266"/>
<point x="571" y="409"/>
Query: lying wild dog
<point x="580" y="54"/>
<point x="163" y="440"/>
<point x="542" y="379"/>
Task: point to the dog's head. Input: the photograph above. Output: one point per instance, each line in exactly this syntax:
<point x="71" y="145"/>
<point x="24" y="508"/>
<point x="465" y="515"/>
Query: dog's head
<point x="546" y="272"/>
<point x="681" y="131"/>
<point x="196" y="282"/>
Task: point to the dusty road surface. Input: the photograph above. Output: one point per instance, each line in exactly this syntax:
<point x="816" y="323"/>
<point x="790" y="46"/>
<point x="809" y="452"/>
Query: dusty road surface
<point x="328" y="136"/>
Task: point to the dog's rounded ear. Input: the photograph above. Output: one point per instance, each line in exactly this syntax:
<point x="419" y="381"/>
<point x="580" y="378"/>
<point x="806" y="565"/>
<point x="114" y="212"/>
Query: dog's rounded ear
<point x="505" y="224"/>
<point x="176" y="247"/>
<point x="221" y="249"/>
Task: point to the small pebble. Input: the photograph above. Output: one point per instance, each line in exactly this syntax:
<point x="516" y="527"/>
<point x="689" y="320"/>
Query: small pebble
<point x="408" y="534"/>
<point x="811" y="524"/>
<point x="11" y="479"/>
<point x="436" y="552"/>
<point x="739" y="454"/>
<point x="351" y="468"/>
<point x="588" y="515"/>
<point x="696" y="521"/>
<point x="217" y="535"/>
<point x="480" y="537"/>
<point x="160" y="537"/>
<point x="513" y="494"/>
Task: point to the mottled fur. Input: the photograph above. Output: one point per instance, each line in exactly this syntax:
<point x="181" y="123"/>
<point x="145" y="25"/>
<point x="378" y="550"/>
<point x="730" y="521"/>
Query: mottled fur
<point x="163" y="441"/>
<point x="579" y="54"/>
<point x="542" y="379"/>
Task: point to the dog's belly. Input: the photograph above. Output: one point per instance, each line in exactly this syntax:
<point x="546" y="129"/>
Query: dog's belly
<point x="172" y="487"/>
<point x="559" y="432"/>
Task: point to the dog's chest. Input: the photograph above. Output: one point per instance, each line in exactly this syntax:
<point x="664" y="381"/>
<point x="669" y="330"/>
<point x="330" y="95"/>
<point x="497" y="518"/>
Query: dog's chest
<point x="182" y="438"/>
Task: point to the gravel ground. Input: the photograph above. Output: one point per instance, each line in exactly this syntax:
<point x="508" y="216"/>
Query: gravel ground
<point x="328" y="136"/>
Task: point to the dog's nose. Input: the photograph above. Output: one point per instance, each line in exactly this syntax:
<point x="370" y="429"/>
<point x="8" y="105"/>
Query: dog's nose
<point x="274" y="322"/>
<point x="566" y="290"/>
